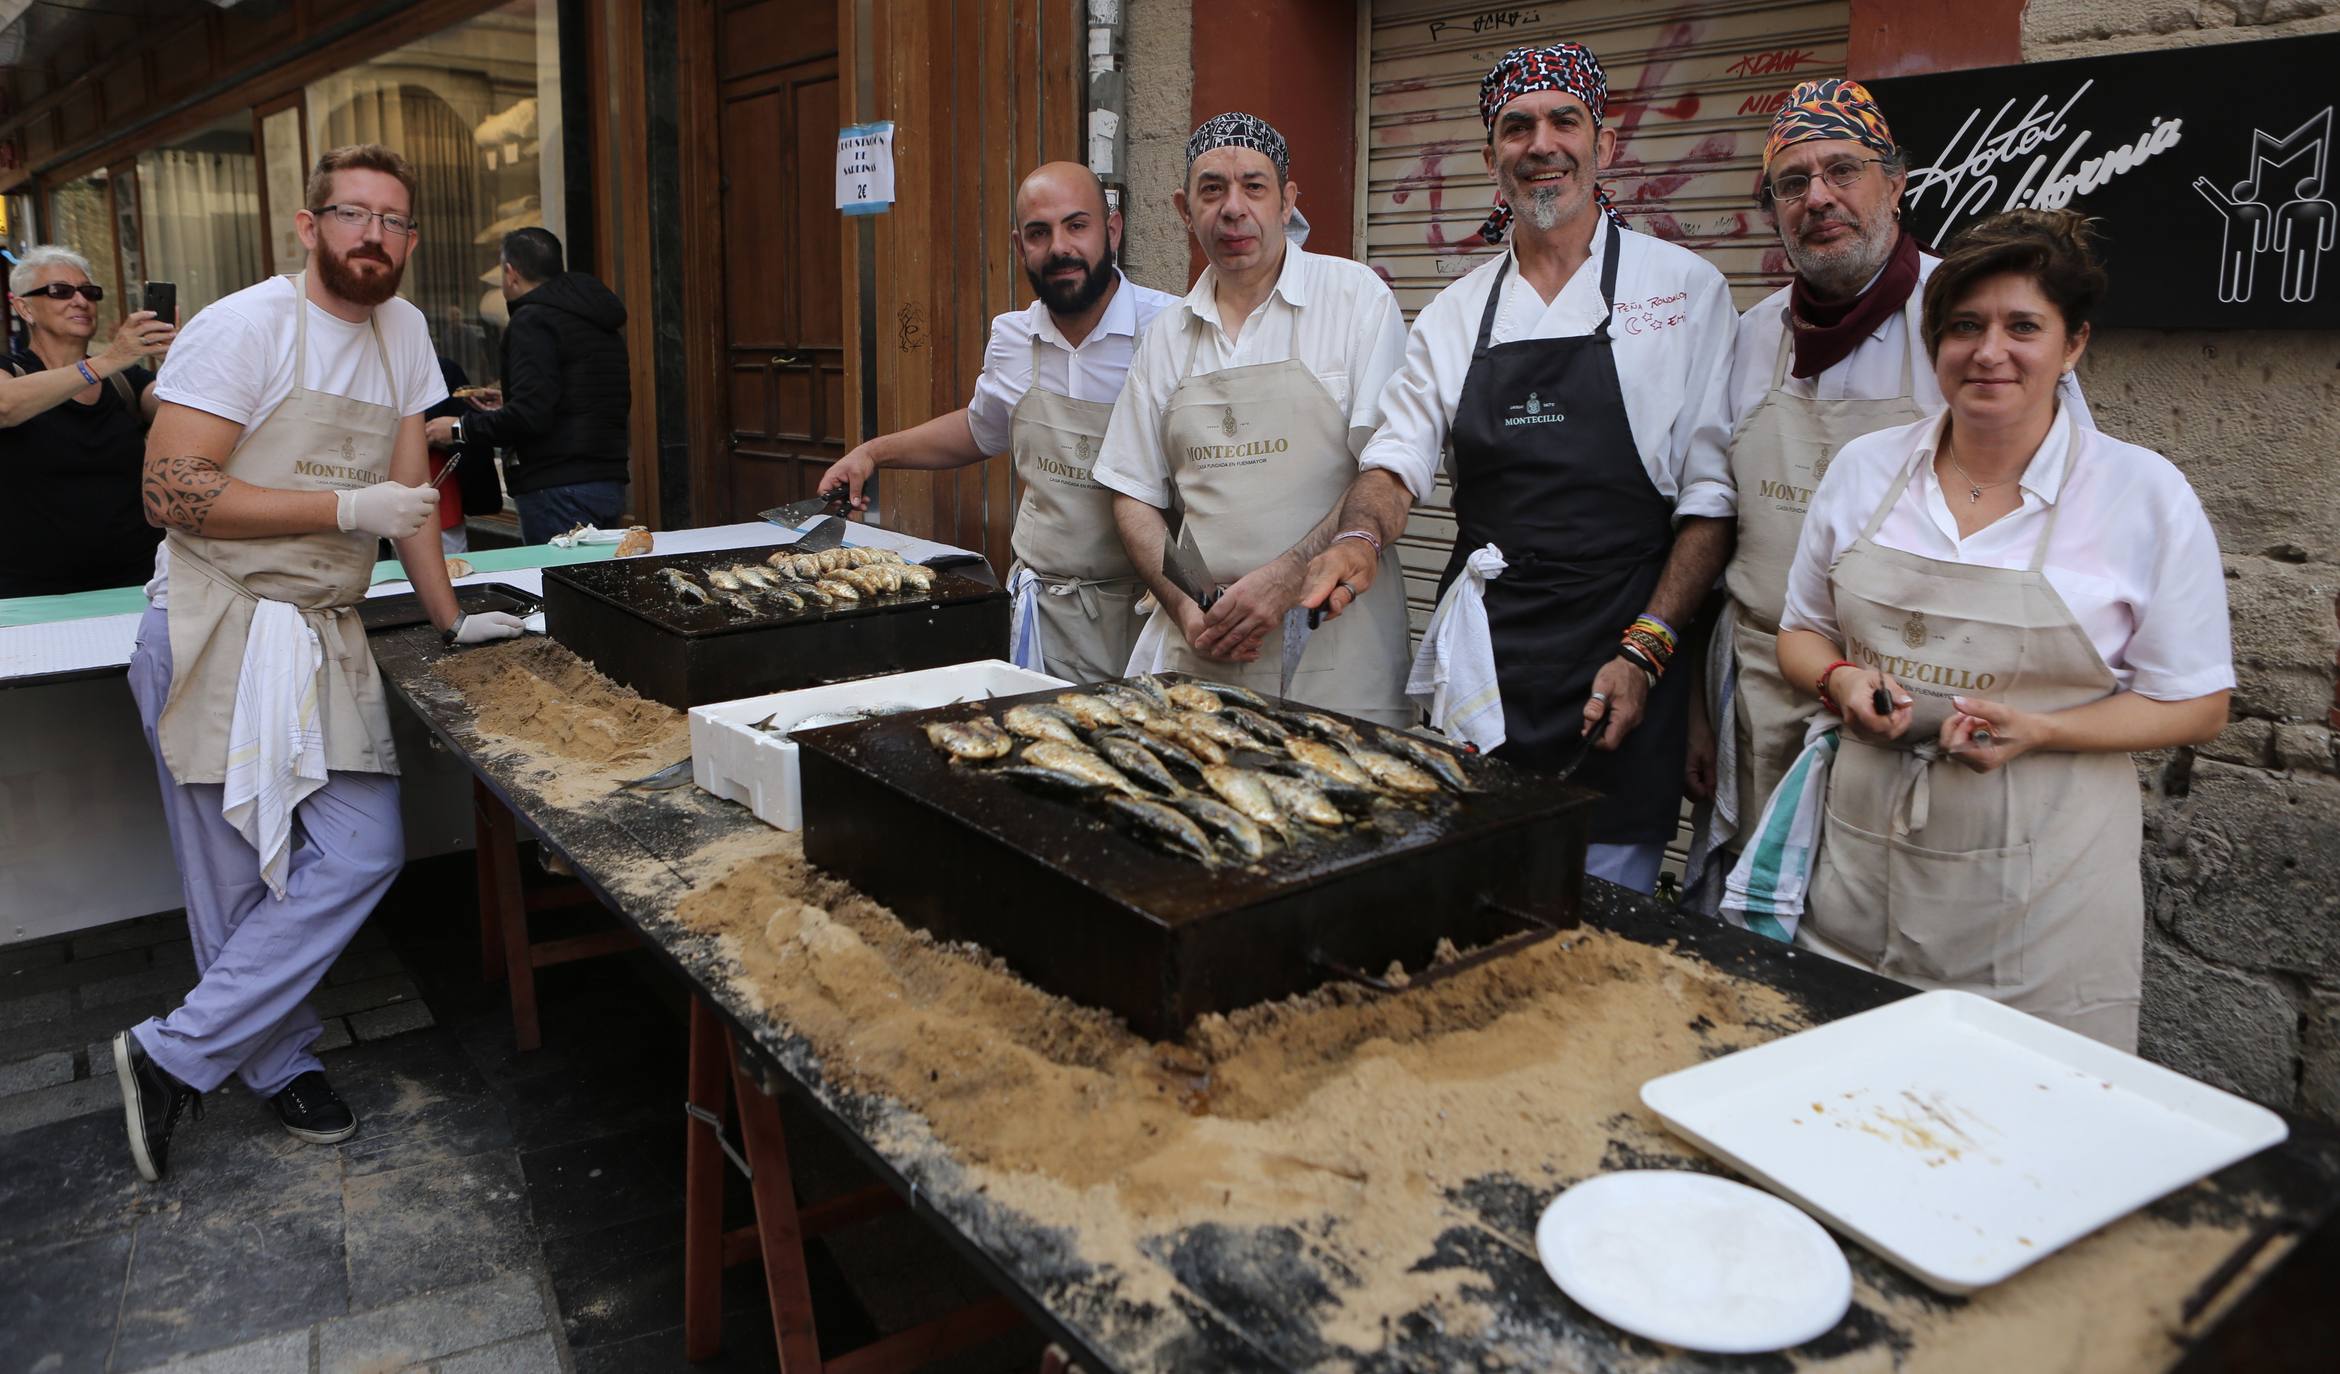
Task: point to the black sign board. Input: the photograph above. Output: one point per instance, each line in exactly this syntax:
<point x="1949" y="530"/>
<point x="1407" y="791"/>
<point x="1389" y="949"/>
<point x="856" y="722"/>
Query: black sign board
<point x="2207" y="166"/>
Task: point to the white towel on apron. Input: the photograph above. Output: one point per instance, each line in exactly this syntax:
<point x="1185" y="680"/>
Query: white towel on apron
<point x="1151" y="653"/>
<point x="276" y="736"/>
<point x="1453" y="676"/>
<point x="1024" y="619"/>
<point x="1765" y="892"/>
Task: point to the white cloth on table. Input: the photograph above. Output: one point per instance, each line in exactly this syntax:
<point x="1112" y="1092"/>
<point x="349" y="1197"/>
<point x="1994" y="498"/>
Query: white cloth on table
<point x="276" y="735"/>
<point x="1453" y="676"/>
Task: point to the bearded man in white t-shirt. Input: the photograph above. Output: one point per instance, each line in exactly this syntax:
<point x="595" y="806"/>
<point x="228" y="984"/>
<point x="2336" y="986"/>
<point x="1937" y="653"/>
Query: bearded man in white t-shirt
<point x="289" y="441"/>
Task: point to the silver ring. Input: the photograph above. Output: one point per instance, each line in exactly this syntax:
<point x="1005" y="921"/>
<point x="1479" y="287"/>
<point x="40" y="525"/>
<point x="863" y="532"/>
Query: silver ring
<point x="1600" y="696"/>
<point x="1344" y="586"/>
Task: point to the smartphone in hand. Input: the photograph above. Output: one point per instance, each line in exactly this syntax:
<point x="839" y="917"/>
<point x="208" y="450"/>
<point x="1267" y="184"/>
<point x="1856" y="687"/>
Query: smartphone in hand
<point x="162" y="297"/>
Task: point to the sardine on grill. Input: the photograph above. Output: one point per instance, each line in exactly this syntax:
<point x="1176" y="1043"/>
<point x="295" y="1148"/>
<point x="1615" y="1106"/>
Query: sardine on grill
<point x="1301" y="799"/>
<point x="1323" y="727"/>
<point x="1076" y="761"/>
<point x="1130" y="754"/>
<point x="723" y="579"/>
<point x="1333" y="763"/>
<point x="1224" y="733"/>
<point x="1395" y="773"/>
<point x="1201" y="746"/>
<point x="1161" y="826"/>
<point x="1233" y="695"/>
<point x="1154" y="689"/>
<point x="683" y="587"/>
<point x="1131" y="702"/>
<point x="1089" y="712"/>
<point x="1240" y="832"/>
<point x="1050" y="781"/>
<point x="1265" y="729"/>
<point x="1037" y="722"/>
<point x="1243" y="789"/>
<point x="838" y="591"/>
<point x="1433" y="760"/>
<point x="979" y="738"/>
<point x="1188" y="697"/>
<point x="917" y="577"/>
<point x="1161" y="747"/>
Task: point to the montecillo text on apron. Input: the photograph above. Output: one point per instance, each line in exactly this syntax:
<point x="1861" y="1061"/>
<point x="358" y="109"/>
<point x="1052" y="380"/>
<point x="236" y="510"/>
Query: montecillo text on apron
<point x="1918" y="670"/>
<point x="1235" y="455"/>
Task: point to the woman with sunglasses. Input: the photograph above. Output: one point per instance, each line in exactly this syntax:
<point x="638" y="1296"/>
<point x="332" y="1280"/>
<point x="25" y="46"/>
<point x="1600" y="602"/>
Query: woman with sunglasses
<point x="73" y="434"/>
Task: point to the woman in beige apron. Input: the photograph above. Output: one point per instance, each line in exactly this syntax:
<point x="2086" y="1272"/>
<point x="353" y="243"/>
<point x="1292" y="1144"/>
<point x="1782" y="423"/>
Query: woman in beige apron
<point x="1258" y="455"/>
<point x="2021" y="883"/>
<point x="1086" y="592"/>
<point x="1779" y="453"/>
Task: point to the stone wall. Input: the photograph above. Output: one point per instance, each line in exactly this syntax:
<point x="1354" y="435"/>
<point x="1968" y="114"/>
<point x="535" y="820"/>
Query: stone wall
<point x="2242" y="836"/>
<point x="1160" y="35"/>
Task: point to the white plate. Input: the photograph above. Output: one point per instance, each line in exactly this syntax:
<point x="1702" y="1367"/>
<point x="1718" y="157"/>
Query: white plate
<point x="1695" y="1261"/>
<point x="1958" y="1138"/>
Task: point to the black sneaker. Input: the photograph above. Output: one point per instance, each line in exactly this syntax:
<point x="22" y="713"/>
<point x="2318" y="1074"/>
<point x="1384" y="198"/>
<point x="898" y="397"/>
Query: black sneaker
<point x="151" y="1103"/>
<point x="312" y="1111"/>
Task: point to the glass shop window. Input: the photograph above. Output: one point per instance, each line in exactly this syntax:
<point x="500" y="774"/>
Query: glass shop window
<point x="82" y="213"/>
<point x="475" y="109"/>
<point x="199" y="199"/>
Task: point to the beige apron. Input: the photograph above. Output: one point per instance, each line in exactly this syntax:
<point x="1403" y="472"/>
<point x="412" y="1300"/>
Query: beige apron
<point x="312" y="441"/>
<point x="1779" y="453"/>
<point x="1258" y="455"/>
<point x="2020" y="884"/>
<point x="1066" y="538"/>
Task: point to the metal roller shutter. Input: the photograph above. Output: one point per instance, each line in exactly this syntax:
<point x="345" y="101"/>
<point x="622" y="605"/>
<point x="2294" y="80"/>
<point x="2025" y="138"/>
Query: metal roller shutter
<point x="1691" y="93"/>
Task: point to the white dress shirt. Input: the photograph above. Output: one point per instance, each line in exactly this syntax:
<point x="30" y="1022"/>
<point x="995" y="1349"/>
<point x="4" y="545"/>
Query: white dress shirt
<point x="1336" y="317"/>
<point x="2132" y="554"/>
<point x="1871" y="372"/>
<point x="1672" y="330"/>
<point x="1091" y="372"/>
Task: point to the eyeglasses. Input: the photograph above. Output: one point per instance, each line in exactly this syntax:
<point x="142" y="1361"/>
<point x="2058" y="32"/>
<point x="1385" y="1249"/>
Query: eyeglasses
<point x="355" y="217"/>
<point x="65" y="290"/>
<point x="1841" y="175"/>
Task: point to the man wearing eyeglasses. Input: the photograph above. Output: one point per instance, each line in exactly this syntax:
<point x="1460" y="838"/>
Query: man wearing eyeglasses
<point x="1833" y="355"/>
<point x="288" y="442"/>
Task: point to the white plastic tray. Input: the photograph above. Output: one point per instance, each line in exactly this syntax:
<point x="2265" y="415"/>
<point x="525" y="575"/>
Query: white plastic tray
<point x="758" y="768"/>
<point x="1958" y="1138"/>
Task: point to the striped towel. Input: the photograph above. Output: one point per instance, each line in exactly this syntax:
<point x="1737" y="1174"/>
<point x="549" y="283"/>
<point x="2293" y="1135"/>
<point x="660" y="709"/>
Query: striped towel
<point x="1715" y="823"/>
<point x="1024" y="619"/>
<point x="1765" y="892"/>
<point x="276" y="737"/>
<point x="1453" y="676"/>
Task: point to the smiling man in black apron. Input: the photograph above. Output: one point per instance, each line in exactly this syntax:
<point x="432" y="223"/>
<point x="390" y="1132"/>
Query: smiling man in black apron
<point x="1818" y="363"/>
<point x="1050" y="376"/>
<point x="289" y="442"/>
<point x="1244" y="412"/>
<point x="1569" y="376"/>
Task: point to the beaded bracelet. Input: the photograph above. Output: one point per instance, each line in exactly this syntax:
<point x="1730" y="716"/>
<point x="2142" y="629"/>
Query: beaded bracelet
<point x="1821" y="686"/>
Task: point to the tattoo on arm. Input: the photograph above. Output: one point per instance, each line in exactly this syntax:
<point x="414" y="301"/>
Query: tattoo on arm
<point x="180" y="492"/>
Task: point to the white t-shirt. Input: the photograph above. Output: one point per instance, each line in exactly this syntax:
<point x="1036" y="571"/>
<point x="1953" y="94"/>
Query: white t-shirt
<point x="2132" y="555"/>
<point x="234" y="360"/>
<point x="1092" y="372"/>
<point x="1336" y="317"/>
<point x="1671" y="330"/>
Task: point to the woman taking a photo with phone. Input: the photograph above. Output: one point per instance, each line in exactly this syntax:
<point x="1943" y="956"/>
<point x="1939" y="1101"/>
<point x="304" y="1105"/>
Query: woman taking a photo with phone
<point x="73" y="434"/>
<point x="2001" y="605"/>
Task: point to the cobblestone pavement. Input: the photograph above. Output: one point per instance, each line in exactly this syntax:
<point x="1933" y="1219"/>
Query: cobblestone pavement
<point x="496" y="1211"/>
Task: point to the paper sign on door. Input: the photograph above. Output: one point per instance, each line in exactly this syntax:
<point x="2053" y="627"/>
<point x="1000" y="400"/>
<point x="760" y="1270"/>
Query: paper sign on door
<point x="865" y="168"/>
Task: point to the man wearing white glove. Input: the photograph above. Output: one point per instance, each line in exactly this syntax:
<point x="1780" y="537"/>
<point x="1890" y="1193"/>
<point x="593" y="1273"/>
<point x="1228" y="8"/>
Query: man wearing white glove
<point x="289" y="439"/>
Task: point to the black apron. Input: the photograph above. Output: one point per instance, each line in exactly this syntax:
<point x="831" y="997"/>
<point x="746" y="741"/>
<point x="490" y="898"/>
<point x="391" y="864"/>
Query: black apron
<point x="1545" y="468"/>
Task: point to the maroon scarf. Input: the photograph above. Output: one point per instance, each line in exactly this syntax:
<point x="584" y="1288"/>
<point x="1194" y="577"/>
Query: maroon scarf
<point x="1826" y="332"/>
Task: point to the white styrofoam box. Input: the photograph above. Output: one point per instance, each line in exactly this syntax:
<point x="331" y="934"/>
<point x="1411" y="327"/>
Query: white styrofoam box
<point x="757" y="768"/>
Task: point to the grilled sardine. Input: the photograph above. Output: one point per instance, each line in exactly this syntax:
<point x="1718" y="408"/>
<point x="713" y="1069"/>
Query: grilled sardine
<point x="1134" y="704"/>
<point x="1201" y="746"/>
<point x="1234" y="695"/>
<point x="1129" y="754"/>
<point x="1188" y="697"/>
<point x="683" y="587"/>
<point x="1431" y="759"/>
<point x="1247" y="792"/>
<point x="1076" y="761"/>
<point x="1266" y="730"/>
<point x="1088" y="712"/>
<point x="836" y="590"/>
<point x="1037" y="722"/>
<point x="1159" y="825"/>
<point x="1224" y="733"/>
<point x="980" y="738"/>
<point x="1239" y="831"/>
<point x="1331" y="762"/>
<point x="1395" y="773"/>
<point x="1301" y="800"/>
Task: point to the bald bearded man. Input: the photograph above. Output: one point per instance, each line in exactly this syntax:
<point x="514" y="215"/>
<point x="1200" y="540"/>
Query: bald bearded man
<point x="1050" y="376"/>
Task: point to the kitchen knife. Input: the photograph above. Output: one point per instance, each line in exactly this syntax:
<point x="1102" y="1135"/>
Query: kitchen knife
<point x="1299" y="623"/>
<point x="1182" y="563"/>
<point x="797" y="512"/>
<point x="1585" y="753"/>
<point x="828" y="534"/>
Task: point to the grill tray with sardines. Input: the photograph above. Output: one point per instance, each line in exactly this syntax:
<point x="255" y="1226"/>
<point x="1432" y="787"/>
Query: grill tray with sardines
<point x="1166" y="846"/>
<point x="688" y="629"/>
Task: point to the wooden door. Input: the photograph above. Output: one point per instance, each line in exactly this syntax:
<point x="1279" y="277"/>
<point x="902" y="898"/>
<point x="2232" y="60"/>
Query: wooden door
<point x="783" y="298"/>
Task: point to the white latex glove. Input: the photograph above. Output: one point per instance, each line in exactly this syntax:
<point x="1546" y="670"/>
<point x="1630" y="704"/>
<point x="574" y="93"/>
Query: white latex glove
<point x="487" y="626"/>
<point x="391" y="510"/>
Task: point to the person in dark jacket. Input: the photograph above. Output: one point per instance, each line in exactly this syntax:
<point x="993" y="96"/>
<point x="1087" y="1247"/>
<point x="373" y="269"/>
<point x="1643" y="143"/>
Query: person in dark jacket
<point x="561" y="413"/>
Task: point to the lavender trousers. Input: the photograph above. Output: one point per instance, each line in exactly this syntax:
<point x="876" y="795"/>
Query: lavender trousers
<point x="260" y="957"/>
